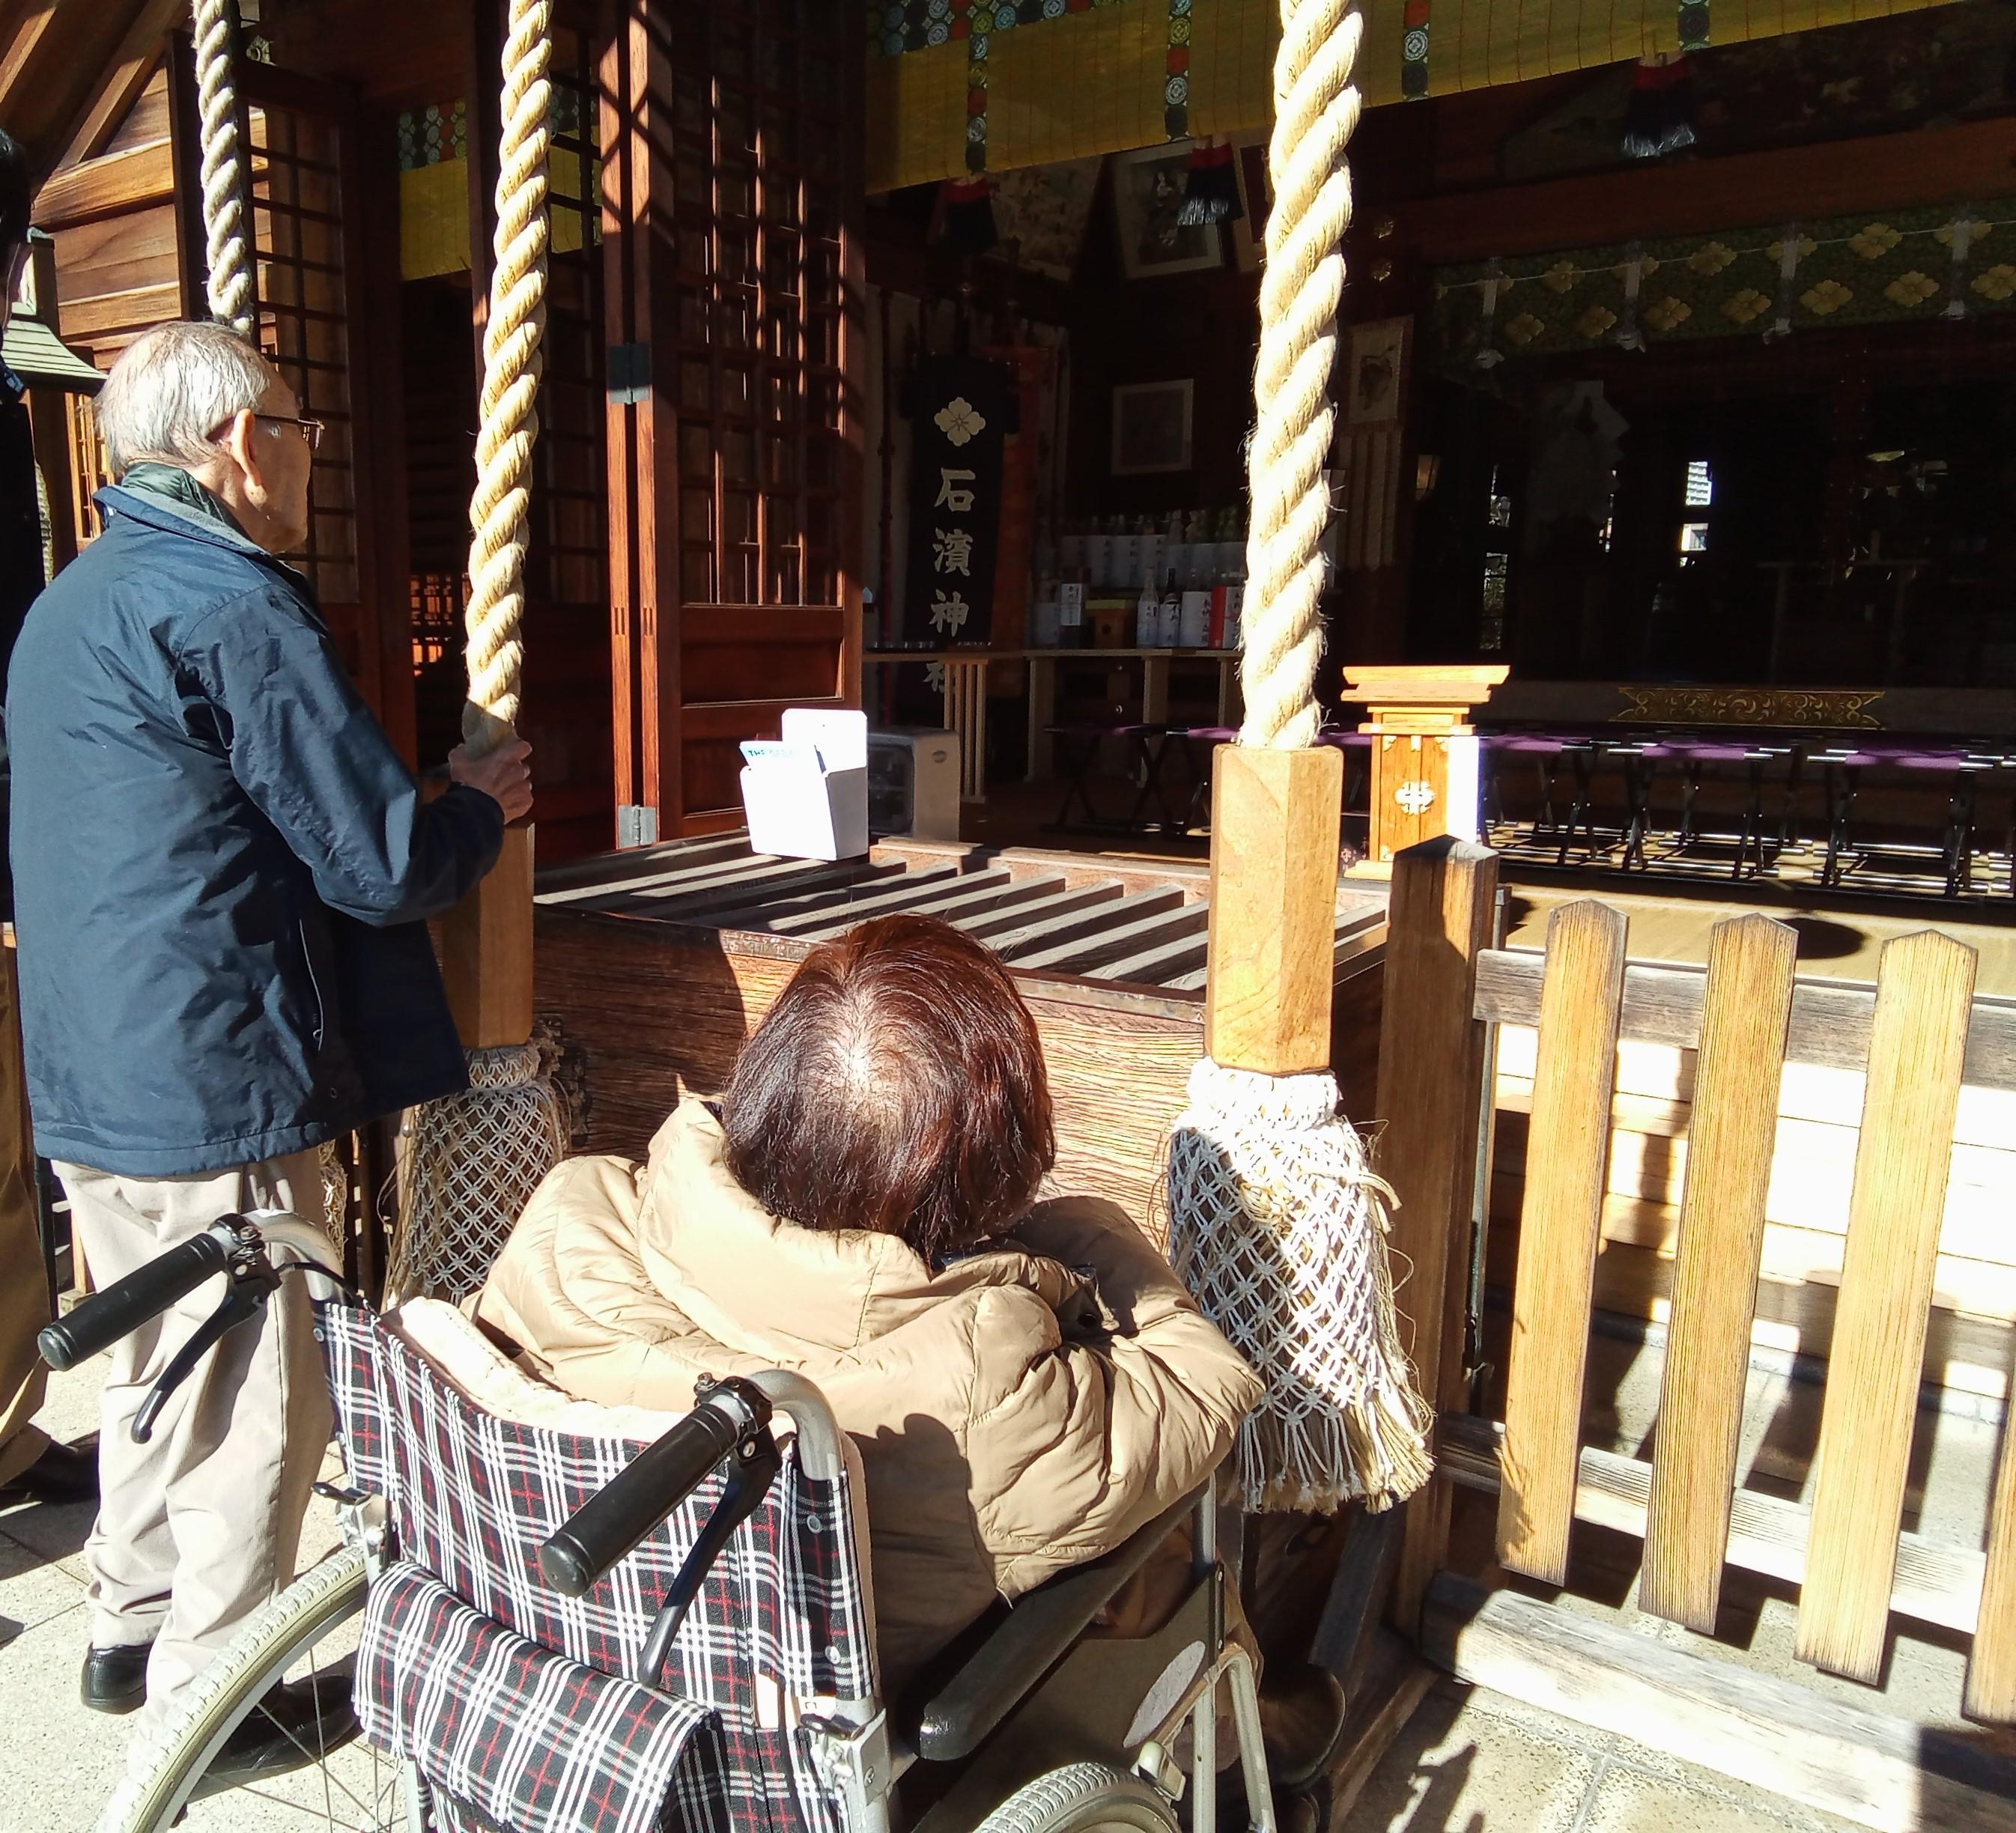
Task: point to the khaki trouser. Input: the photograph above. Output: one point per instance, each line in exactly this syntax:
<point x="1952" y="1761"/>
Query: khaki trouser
<point x="199" y="1527"/>
<point x="24" y="1291"/>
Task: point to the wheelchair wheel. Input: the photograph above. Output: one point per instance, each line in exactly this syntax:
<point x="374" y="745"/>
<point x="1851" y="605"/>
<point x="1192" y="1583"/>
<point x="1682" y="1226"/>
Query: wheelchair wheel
<point x="350" y="1789"/>
<point x="1083" y="1797"/>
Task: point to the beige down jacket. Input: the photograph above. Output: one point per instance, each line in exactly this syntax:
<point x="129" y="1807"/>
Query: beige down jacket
<point x="1026" y="1408"/>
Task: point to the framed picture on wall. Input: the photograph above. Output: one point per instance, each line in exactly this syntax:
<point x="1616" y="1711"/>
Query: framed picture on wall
<point x="1151" y="427"/>
<point x="1148" y="187"/>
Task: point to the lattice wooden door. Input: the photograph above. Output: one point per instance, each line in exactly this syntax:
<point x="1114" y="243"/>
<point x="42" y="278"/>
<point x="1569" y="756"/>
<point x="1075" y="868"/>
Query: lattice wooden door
<point x="731" y="137"/>
<point x="315" y="319"/>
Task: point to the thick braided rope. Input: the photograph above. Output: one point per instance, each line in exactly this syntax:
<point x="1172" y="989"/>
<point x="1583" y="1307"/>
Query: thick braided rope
<point x="1315" y="109"/>
<point x="499" y="510"/>
<point x="226" y="223"/>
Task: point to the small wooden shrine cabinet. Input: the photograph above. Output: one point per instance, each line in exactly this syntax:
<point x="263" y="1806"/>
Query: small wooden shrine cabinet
<point x="653" y="965"/>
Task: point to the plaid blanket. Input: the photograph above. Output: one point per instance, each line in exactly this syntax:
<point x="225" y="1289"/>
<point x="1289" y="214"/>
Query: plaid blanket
<point x="780" y="1628"/>
<point x="532" y="1741"/>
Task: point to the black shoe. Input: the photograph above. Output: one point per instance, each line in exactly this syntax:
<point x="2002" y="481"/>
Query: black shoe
<point x="115" y="1679"/>
<point x="297" y="1723"/>
<point x="63" y="1473"/>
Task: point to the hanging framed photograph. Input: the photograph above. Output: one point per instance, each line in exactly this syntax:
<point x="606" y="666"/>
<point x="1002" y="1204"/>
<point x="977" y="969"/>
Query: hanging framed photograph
<point x="1148" y="187"/>
<point x="1151" y="427"/>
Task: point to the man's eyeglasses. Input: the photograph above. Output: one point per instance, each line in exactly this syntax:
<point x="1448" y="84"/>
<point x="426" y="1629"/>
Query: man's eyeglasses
<point x="311" y="430"/>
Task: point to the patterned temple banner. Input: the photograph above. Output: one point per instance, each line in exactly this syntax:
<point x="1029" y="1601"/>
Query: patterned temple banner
<point x="434" y="185"/>
<point x="1067" y="79"/>
<point x="962" y="411"/>
<point x="1884" y="267"/>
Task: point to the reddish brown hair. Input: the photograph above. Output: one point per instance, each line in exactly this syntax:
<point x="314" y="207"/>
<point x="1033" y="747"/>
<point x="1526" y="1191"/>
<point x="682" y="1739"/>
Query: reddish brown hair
<point x="896" y="1085"/>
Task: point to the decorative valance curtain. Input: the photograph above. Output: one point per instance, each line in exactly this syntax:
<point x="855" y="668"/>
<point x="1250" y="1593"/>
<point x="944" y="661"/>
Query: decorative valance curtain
<point x="960" y="86"/>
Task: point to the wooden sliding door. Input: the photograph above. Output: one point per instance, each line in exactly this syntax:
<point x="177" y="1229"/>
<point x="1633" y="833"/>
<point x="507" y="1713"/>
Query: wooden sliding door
<point x="730" y="134"/>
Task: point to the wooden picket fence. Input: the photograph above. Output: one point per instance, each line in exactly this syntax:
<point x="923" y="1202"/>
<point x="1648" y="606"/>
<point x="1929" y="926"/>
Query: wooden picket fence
<point x="1918" y="1037"/>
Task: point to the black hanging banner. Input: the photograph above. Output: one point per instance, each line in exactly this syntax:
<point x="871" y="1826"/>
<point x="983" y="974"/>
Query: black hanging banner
<point x="961" y="413"/>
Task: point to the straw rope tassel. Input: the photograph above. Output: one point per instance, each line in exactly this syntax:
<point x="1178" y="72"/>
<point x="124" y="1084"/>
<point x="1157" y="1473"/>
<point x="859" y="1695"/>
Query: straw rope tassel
<point x="473" y="1160"/>
<point x="1277" y="1225"/>
<point x="226" y="218"/>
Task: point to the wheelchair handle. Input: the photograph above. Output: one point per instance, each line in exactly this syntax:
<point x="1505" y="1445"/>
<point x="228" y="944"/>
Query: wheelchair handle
<point x="102" y="1319"/>
<point x="618" y="1515"/>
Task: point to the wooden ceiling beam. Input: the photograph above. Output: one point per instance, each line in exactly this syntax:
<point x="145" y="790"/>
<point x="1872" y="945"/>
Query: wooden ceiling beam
<point x="1886" y="171"/>
<point x="54" y="63"/>
<point x="131" y="70"/>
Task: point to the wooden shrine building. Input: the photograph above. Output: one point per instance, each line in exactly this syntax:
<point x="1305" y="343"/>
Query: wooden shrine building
<point x="1675" y="395"/>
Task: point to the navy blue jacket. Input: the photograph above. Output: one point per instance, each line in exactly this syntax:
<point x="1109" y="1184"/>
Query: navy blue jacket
<point x="222" y="867"/>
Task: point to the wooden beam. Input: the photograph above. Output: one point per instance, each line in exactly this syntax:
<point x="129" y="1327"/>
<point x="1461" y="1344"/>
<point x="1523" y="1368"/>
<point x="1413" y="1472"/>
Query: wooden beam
<point x="1358" y="1592"/>
<point x="1431" y="1077"/>
<point x="1835" y="178"/>
<point x="1934" y="1582"/>
<point x="1842" y="1758"/>
<point x="1870" y="1412"/>
<point x="1748" y="1003"/>
<point x="119" y="181"/>
<point x="1830" y="1024"/>
<point x="1383" y="1695"/>
<point x="1275" y="816"/>
<point x="1560" y="1226"/>
<point x="487" y="951"/>
<point x="131" y="69"/>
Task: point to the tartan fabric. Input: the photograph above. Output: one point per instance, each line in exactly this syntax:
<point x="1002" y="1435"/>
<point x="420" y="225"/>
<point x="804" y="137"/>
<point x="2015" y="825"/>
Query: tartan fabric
<point x="780" y="1626"/>
<point x="533" y="1741"/>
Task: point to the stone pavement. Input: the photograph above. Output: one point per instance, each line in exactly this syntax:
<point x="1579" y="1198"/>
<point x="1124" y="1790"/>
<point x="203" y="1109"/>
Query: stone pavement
<point x="1474" y="1761"/>
<point x="1469" y="1762"/>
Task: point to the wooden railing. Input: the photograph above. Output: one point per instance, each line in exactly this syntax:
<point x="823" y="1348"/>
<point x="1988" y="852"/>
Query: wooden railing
<point x="1917" y="1037"/>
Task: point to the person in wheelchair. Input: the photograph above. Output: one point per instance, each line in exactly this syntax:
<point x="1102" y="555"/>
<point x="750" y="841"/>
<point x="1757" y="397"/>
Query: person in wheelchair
<point x="1026" y="1380"/>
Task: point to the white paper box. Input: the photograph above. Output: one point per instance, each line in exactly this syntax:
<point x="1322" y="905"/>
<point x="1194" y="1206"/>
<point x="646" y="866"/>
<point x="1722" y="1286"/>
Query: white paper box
<point x="1194" y="632"/>
<point x="808" y="798"/>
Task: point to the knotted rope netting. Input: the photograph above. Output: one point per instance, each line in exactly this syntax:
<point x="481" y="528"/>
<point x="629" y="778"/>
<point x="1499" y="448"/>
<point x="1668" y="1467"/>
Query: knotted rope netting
<point x="1277" y="1225"/>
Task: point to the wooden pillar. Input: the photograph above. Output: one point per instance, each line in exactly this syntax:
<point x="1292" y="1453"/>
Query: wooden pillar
<point x="1433" y="1061"/>
<point x="1424" y="773"/>
<point x="487" y="951"/>
<point x="1274" y="908"/>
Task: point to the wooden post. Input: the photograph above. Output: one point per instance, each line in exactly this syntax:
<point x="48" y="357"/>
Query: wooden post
<point x="1732" y="1131"/>
<point x="1424" y="772"/>
<point x="1917" y="1040"/>
<point x="1273" y="909"/>
<point x="1560" y="1227"/>
<point x="1431" y="1066"/>
<point x="487" y="951"/>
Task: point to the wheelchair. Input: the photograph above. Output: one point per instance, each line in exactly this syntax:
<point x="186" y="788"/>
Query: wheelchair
<point x="556" y="1616"/>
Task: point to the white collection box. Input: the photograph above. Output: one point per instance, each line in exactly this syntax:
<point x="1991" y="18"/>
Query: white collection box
<point x="806" y="796"/>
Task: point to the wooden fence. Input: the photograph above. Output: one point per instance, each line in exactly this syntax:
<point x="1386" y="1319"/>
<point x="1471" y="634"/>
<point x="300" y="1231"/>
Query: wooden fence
<point x="1918" y="1041"/>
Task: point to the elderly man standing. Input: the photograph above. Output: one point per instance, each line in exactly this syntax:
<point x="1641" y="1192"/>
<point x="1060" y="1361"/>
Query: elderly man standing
<point x="223" y="871"/>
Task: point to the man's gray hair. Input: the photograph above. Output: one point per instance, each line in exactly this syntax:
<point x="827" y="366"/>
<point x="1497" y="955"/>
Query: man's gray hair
<point x="172" y="388"/>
